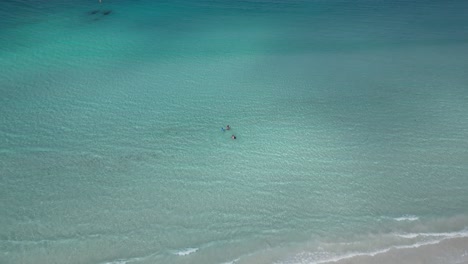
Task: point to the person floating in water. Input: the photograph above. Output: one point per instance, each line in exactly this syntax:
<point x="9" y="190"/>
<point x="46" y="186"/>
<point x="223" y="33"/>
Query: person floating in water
<point x="233" y="137"/>
<point x="228" y="127"/>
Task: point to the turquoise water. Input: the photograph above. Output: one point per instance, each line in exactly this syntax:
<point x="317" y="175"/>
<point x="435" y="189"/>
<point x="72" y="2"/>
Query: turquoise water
<point x="351" y="121"/>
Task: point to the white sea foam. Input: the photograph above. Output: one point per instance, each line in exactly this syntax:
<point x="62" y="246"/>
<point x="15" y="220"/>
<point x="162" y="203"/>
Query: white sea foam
<point x="409" y="235"/>
<point x="232" y="261"/>
<point x="373" y="253"/>
<point x="130" y="260"/>
<point x="444" y="235"/>
<point x="124" y="261"/>
<point x="186" y="251"/>
<point x="407" y="218"/>
<point x="437" y="238"/>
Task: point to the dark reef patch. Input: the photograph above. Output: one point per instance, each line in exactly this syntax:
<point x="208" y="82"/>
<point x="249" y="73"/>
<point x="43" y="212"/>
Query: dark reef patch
<point x="99" y="12"/>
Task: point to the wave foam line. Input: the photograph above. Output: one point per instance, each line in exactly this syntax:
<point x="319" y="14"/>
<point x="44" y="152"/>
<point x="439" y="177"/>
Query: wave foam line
<point x="445" y="235"/>
<point x="232" y="261"/>
<point x="406" y="218"/>
<point x="123" y="261"/>
<point x="416" y="245"/>
<point x="185" y="251"/>
<point x="130" y="260"/>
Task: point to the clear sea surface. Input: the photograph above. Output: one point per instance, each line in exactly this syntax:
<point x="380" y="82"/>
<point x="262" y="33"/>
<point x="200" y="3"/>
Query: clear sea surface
<point x="351" y="120"/>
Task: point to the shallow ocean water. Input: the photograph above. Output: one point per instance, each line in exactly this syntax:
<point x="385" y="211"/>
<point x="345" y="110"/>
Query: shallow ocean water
<point x="351" y="122"/>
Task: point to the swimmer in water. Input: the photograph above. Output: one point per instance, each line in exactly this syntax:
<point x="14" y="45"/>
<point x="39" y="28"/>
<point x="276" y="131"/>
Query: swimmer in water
<point x="233" y="137"/>
<point x="228" y="127"/>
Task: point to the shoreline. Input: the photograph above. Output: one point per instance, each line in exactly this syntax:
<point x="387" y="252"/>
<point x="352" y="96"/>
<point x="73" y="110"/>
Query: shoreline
<point x="450" y="250"/>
